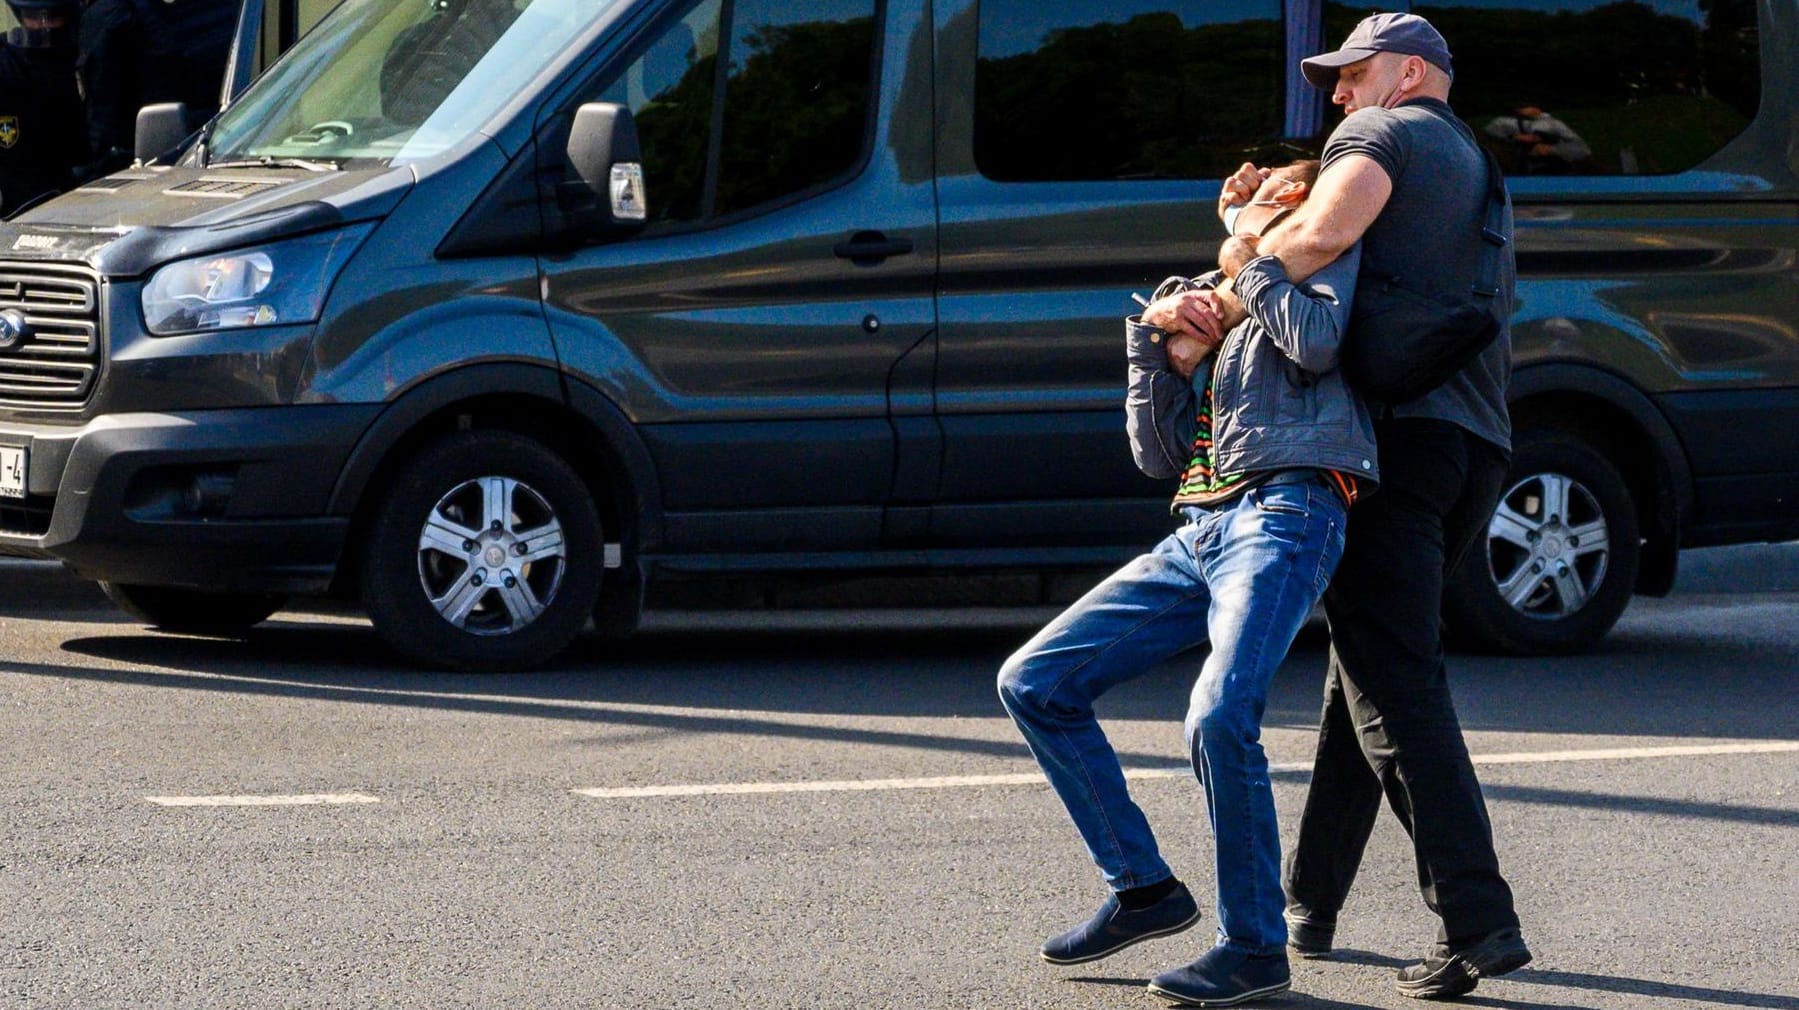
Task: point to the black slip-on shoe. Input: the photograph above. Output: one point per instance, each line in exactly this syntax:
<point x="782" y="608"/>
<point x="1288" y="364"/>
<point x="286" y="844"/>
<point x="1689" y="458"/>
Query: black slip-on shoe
<point x="1224" y="976"/>
<point x="1115" y="927"/>
<point x="1447" y="973"/>
<point x="1309" y="936"/>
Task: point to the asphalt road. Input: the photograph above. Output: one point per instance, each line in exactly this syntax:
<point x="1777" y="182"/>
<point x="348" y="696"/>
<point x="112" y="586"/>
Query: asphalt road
<point x="803" y="811"/>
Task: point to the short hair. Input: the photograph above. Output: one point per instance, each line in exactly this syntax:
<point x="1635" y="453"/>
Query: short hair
<point x="1304" y="170"/>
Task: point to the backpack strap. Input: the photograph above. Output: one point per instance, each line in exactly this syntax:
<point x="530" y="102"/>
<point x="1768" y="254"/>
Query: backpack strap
<point x="1492" y="231"/>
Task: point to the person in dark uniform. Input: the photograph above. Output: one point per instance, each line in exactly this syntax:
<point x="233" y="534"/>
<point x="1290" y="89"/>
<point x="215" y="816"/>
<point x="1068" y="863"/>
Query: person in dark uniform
<point x="142" y="52"/>
<point x="108" y="70"/>
<point x="41" y="142"/>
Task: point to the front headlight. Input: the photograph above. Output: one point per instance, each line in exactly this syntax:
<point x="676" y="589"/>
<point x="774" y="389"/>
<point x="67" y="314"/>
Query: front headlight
<point x="279" y="283"/>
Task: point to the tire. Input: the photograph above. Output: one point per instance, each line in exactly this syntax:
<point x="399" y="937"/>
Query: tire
<point x="193" y="611"/>
<point x="484" y="554"/>
<point x="1559" y="560"/>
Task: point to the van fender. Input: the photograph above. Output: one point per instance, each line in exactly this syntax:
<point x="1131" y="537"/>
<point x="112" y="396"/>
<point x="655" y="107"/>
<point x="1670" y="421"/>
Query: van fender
<point x="1673" y="474"/>
<point x="610" y="436"/>
<point x="618" y="434"/>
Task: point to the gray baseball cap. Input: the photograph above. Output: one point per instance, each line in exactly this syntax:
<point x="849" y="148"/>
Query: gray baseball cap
<point x="1407" y="34"/>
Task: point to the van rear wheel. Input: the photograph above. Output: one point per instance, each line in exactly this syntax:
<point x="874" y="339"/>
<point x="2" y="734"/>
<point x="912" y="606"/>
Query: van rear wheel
<point x="485" y="554"/>
<point x="193" y="611"/>
<point x="1558" y="563"/>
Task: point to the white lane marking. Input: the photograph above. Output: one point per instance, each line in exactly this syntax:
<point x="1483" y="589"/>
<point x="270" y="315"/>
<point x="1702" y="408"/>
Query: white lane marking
<point x="302" y="800"/>
<point x="1637" y="753"/>
<point x="852" y="785"/>
<point x="1034" y="778"/>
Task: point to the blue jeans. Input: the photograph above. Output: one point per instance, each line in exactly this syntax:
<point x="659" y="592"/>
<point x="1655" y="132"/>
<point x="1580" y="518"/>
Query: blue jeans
<point x="1245" y="577"/>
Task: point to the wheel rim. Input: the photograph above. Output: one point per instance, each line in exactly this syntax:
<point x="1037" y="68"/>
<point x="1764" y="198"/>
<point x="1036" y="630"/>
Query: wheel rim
<point x="1548" y="546"/>
<point x="491" y="556"/>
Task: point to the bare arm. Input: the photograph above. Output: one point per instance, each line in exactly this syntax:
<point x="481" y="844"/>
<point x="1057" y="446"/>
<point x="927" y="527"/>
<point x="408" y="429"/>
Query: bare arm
<point x="1348" y="197"/>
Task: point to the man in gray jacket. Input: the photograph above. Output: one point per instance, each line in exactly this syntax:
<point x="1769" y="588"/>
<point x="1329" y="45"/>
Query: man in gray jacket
<point x="1271" y="446"/>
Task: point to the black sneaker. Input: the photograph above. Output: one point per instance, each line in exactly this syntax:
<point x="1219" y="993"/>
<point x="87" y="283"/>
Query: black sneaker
<point x="1310" y="936"/>
<point x="1115" y="927"/>
<point x="1224" y="976"/>
<point x="1446" y="973"/>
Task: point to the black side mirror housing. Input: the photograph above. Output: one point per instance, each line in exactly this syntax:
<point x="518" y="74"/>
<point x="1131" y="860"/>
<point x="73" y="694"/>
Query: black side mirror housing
<point x="607" y="196"/>
<point x="160" y="128"/>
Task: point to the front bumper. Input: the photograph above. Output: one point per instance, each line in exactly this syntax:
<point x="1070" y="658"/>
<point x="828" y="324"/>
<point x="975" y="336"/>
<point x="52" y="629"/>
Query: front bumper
<point x="222" y="500"/>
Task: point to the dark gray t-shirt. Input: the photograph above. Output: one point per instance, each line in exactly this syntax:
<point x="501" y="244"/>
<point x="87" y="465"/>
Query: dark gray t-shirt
<point x="1428" y="235"/>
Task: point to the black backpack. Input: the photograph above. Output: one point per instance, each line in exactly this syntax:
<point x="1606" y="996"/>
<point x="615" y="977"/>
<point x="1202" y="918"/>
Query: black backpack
<point x="1404" y="343"/>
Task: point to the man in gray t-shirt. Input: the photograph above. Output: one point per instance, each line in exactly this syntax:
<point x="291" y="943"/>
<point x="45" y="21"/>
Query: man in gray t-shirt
<point x="1439" y="180"/>
<point x="1406" y="178"/>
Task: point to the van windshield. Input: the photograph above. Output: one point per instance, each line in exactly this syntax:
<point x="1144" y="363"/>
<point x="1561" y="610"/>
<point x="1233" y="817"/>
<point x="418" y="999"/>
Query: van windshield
<point x="398" y="80"/>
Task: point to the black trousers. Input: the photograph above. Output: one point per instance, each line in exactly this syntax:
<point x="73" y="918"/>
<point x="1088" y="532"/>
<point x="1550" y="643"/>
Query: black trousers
<point x="1389" y="721"/>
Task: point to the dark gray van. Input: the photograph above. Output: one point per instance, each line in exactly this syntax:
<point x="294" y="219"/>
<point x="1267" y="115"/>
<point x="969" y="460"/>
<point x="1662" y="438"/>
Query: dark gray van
<point x="493" y="313"/>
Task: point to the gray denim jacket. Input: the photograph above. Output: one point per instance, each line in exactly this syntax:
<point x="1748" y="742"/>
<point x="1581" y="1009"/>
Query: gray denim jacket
<point x="1279" y="401"/>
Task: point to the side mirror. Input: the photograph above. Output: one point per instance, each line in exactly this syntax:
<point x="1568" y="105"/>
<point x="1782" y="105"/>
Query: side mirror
<point x="608" y="195"/>
<point x="159" y="129"/>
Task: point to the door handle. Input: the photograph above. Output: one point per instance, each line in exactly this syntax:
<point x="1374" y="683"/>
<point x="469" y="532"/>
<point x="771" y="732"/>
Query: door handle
<point x="870" y="248"/>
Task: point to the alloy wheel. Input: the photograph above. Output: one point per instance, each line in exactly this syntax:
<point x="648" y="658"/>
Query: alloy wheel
<point x="1548" y="546"/>
<point x="491" y="555"/>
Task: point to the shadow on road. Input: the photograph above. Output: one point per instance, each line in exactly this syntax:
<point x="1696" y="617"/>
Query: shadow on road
<point x="765" y="685"/>
<point x="1674" y="683"/>
<point x="1653" y="989"/>
<point x="1292" y="998"/>
<point x="1697" y="669"/>
<point x="1583" y="980"/>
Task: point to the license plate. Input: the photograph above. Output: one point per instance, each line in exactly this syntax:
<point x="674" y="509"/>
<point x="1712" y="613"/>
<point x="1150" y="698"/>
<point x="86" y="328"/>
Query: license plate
<point x="12" y="472"/>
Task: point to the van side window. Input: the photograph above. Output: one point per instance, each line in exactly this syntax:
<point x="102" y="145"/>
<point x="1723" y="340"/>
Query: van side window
<point x="1103" y="89"/>
<point x="788" y="111"/>
<point x="796" y="97"/>
<point x="669" y="89"/>
<point x="1599" y="87"/>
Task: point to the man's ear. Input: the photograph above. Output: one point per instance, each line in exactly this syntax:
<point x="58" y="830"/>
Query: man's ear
<point x="1294" y="194"/>
<point x="1413" y="72"/>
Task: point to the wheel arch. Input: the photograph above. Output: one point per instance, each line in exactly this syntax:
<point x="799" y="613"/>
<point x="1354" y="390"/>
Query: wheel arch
<point x="585" y="428"/>
<point x="1621" y="422"/>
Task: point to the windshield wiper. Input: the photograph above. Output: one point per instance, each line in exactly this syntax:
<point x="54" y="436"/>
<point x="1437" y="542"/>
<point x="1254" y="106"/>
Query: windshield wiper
<point x="268" y="162"/>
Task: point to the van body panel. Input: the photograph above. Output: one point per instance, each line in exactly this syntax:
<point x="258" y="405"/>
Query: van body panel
<point x="1674" y="475"/>
<point x="398" y="316"/>
<point x="217" y="198"/>
<point x="117" y="483"/>
<point x="1686" y="286"/>
<point x="422" y="323"/>
<point x="730" y="345"/>
<point x="1746" y="488"/>
<point x="743" y="387"/>
<point x="1034" y="282"/>
<point x="410" y="410"/>
<point x="700" y="347"/>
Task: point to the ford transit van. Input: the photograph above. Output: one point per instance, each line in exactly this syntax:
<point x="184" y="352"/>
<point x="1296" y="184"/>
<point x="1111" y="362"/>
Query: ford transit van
<point x="492" y="314"/>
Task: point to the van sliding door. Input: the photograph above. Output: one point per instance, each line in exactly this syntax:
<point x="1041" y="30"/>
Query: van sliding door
<point x="1080" y="150"/>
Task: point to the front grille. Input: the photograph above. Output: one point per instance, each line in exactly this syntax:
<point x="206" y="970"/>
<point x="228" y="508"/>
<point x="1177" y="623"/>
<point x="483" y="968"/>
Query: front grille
<point x="54" y="360"/>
